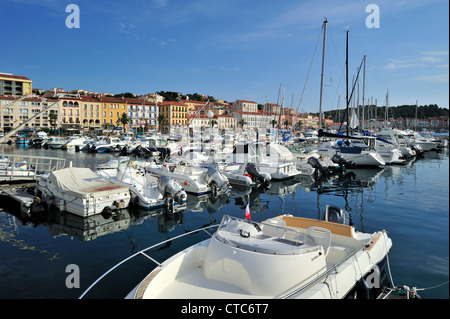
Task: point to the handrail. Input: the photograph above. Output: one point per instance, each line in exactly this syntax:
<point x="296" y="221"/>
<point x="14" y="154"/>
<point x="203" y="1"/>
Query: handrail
<point x="35" y="165"/>
<point x="142" y="252"/>
<point x="296" y="291"/>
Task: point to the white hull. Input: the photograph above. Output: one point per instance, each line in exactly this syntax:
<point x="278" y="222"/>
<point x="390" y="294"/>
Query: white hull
<point x="276" y="261"/>
<point x="81" y="192"/>
<point x="193" y="179"/>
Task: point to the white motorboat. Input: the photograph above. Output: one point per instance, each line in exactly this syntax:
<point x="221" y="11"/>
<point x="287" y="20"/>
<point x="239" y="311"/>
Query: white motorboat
<point x="360" y="156"/>
<point x="75" y="143"/>
<point x="80" y="191"/>
<point x="270" y="158"/>
<point x="396" y="138"/>
<point x="193" y="178"/>
<point x="105" y="145"/>
<point x="424" y="143"/>
<point x="390" y="153"/>
<point x="147" y="192"/>
<point x="282" y="257"/>
<point x="54" y="143"/>
<point x="241" y="175"/>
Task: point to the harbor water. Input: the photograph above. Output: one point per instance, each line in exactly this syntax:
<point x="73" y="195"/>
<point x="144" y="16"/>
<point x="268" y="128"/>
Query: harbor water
<point x="410" y="201"/>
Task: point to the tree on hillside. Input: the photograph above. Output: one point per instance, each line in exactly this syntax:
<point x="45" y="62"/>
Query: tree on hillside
<point x="169" y="96"/>
<point x="125" y="95"/>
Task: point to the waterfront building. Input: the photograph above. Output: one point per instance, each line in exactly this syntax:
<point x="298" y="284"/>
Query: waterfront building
<point x="111" y="111"/>
<point x="91" y="113"/>
<point x="254" y="119"/>
<point x="175" y="115"/>
<point x="245" y="106"/>
<point x="226" y="121"/>
<point x="143" y="114"/>
<point x="200" y="122"/>
<point x="18" y="111"/>
<point x="70" y="111"/>
<point x="272" y="108"/>
<point x="15" y="85"/>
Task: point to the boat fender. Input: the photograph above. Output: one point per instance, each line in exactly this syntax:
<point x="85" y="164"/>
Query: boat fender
<point x="363" y="290"/>
<point x="106" y="212"/>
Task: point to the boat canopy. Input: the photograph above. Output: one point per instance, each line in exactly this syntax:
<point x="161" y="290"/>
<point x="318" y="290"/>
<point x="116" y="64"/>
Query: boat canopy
<point x="79" y="179"/>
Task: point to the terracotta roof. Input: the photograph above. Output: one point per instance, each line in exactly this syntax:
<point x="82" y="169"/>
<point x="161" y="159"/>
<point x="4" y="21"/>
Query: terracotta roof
<point x="89" y="99"/>
<point x="14" y="76"/>
<point x="172" y="103"/>
<point x="112" y="99"/>
<point x="246" y="101"/>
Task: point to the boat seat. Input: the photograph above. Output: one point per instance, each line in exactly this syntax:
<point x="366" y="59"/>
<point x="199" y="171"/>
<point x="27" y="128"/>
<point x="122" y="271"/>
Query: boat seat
<point x="319" y="236"/>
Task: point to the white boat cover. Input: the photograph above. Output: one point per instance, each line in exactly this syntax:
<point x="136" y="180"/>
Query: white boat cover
<point x="81" y="180"/>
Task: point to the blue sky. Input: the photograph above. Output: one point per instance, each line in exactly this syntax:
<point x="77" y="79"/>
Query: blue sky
<point x="231" y="49"/>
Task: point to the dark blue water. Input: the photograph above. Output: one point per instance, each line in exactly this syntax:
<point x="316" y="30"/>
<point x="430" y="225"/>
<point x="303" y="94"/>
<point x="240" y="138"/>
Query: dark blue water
<point x="409" y="201"/>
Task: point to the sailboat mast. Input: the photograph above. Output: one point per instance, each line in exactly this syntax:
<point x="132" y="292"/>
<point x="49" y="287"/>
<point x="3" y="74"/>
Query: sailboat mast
<point x="363" y="101"/>
<point x="346" y="79"/>
<point x="321" y="77"/>
<point x="415" y="120"/>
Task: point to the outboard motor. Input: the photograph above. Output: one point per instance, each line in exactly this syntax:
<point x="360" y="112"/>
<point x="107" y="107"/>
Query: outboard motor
<point x="337" y="215"/>
<point x="170" y="188"/>
<point x="419" y="152"/>
<point x="317" y="164"/>
<point x="337" y="159"/>
<point x="92" y="149"/>
<point x="251" y="170"/>
<point x="213" y="176"/>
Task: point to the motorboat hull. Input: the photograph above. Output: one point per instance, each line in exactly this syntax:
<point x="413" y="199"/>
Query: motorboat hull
<point x="269" y="266"/>
<point x="81" y="192"/>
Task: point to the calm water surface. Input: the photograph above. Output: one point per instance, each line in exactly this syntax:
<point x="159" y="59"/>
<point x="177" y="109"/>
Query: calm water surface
<point x="409" y="201"/>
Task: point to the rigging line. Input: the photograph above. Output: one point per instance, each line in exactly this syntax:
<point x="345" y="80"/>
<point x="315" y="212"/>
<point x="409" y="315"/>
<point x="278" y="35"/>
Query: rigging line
<point x="437" y="286"/>
<point x="307" y="76"/>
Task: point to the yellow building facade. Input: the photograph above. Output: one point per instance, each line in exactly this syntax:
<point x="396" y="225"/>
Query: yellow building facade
<point x="91" y="111"/>
<point x="175" y="114"/>
<point x="15" y="85"/>
<point x="111" y="110"/>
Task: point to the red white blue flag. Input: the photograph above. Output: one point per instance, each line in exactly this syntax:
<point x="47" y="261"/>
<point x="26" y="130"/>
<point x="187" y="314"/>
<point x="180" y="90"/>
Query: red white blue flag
<point x="247" y="209"/>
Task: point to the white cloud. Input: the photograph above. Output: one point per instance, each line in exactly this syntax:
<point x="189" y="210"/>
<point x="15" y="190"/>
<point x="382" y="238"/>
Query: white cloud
<point x="402" y="64"/>
<point x="161" y="3"/>
<point x="430" y="59"/>
<point x="127" y="28"/>
<point x="435" y="53"/>
<point x="439" y="78"/>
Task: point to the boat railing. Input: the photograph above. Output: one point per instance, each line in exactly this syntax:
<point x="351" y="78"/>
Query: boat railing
<point x="143" y="253"/>
<point x="32" y="166"/>
<point x="325" y="273"/>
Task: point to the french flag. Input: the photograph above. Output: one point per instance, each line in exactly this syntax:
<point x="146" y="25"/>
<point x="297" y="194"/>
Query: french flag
<point x="247" y="209"/>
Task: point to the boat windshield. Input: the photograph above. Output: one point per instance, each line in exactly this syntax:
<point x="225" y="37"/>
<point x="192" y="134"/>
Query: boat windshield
<point x="269" y="237"/>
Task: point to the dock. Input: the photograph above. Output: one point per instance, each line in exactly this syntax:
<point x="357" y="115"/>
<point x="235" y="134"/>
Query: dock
<point x="24" y="168"/>
<point x="20" y="192"/>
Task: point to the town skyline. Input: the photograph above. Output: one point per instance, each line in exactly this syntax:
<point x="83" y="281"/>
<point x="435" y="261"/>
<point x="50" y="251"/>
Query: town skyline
<point x="233" y="50"/>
